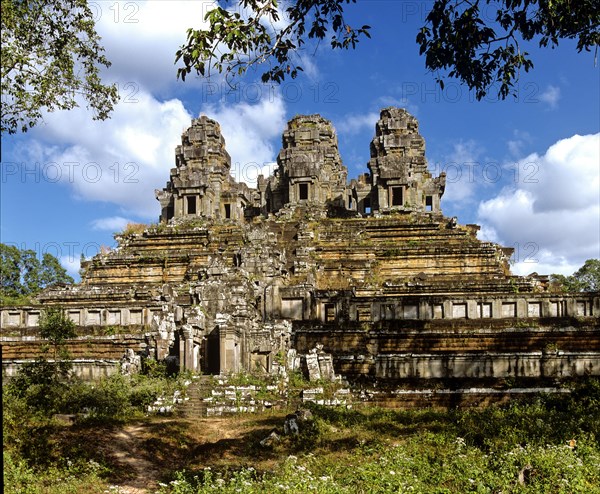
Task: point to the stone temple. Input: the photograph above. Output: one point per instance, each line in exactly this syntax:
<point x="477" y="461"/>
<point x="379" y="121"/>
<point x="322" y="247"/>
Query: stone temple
<point x="367" y="270"/>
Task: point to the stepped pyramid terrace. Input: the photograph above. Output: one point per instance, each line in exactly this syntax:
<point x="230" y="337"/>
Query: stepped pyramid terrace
<point x="365" y="278"/>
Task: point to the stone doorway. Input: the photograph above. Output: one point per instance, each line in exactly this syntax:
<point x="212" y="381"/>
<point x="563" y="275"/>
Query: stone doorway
<point x="211" y="363"/>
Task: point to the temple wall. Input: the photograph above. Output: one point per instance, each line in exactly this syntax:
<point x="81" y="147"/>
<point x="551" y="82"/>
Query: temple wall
<point x="487" y="366"/>
<point x="23" y="318"/>
<point x="372" y="307"/>
<point x="93" y="356"/>
<point x="86" y="369"/>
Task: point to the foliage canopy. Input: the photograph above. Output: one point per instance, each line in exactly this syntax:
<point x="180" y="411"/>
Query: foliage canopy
<point x="56" y="326"/>
<point x="459" y="37"/>
<point x="22" y="274"/>
<point x="238" y="40"/>
<point x="585" y="279"/>
<point x="51" y="54"/>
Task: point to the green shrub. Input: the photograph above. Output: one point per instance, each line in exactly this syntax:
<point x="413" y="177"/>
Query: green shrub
<point x="41" y="384"/>
<point x="116" y="397"/>
<point x="35" y="458"/>
<point x="74" y="477"/>
<point x="547" y="445"/>
<point x="18" y="476"/>
<point x="134" y="229"/>
<point x="154" y="369"/>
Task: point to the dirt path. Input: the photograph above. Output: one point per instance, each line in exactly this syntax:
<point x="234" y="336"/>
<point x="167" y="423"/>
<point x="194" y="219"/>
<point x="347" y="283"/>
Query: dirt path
<point x="144" y="452"/>
<point x="126" y="447"/>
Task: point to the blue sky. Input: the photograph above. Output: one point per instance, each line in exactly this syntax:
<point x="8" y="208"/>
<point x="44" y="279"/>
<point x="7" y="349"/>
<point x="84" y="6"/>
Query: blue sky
<point x="526" y="169"/>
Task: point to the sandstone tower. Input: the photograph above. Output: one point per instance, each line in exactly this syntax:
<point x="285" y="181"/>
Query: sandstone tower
<point x="398" y="165"/>
<point x="201" y="183"/>
<point x="309" y="172"/>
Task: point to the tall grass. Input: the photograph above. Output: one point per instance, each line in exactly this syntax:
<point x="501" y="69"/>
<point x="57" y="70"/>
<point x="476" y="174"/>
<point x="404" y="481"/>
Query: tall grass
<point x="36" y="459"/>
<point x="548" y="445"/>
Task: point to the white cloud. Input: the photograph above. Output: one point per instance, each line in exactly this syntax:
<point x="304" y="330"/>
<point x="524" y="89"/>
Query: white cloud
<point x="110" y="224"/>
<point x="542" y="261"/>
<point x="568" y="174"/>
<point x="311" y="70"/>
<point x="353" y="124"/>
<point x="552" y="215"/>
<point x="249" y="132"/>
<point x="142" y="37"/>
<point x="124" y="159"/>
<point x="120" y="160"/>
<point x="71" y="264"/>
<point x="463" y="169"/>
<point x="250" y="174"/>
<point x="550" y="96"/>
<point x="141" y="40"/>
<point x="519" y="141"/>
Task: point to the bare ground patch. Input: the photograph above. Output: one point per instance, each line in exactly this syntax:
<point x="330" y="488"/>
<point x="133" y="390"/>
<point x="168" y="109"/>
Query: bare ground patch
<point x="142" y="454"/>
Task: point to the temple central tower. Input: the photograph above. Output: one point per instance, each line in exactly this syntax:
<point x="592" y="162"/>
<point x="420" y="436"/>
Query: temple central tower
<point x="398" y="165"/>
<point x="201" y="184"/>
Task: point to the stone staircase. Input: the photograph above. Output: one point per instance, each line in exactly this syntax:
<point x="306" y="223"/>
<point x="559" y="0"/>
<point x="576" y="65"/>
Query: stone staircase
<point x="195" y="405"/>
<point x="210" y="396"/>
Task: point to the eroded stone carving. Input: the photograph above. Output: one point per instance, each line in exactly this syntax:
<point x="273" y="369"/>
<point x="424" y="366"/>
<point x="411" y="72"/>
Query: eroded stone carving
<point x="309" y="172"/>
<point x="398" y="166"/>
<point x="201" y="184"/>
<point x="131" y="363"/>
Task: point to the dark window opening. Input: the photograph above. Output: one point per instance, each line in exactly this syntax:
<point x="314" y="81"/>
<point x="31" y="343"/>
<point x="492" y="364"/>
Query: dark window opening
<point x="349" y="202"/>
<point x="397" y="196"/>
<point x="329" y="313"/>
<point x="388" y="312"/>
<point x="429" y="203"/>
<point x="191" y="205"/>
<point x="363" y="313"/>
<point x="303" y="192"/>
<point x="228" y="211"/>
<point x="268" y="205"/>
<point x="367" y="204"/>
<point x="170" y="212"/>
